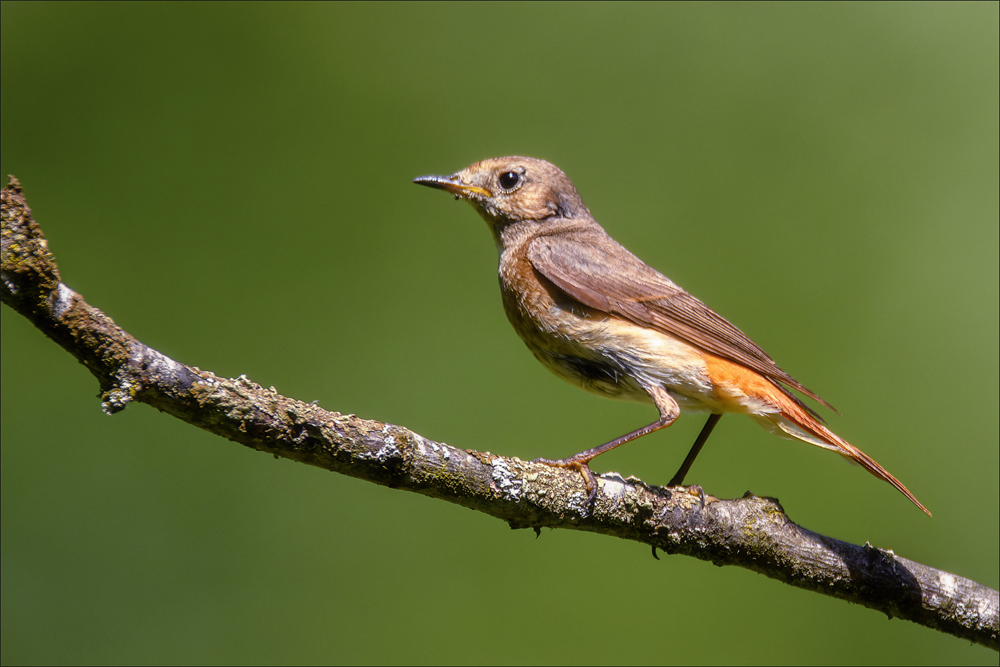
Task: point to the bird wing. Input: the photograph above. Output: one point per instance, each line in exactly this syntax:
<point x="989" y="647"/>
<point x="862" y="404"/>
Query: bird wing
<point x="607" y="277"/>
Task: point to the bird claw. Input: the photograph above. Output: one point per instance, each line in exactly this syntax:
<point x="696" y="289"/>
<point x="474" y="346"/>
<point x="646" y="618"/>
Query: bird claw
<point x="701" y="494"/>
<point x="696" y="490"/>
<point x="579" y="464"/>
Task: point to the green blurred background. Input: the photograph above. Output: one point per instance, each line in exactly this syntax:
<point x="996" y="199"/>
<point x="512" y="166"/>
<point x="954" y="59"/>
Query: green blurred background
<point x="231" y="183"/>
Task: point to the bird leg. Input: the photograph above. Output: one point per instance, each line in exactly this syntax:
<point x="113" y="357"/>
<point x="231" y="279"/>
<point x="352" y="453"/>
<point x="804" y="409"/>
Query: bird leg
<point x="669" y="411"/>
<point x="706" y="430"/>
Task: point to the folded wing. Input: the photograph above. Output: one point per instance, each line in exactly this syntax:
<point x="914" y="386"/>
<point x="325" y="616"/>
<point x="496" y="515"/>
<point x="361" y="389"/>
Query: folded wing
<point x="609" y="278"/>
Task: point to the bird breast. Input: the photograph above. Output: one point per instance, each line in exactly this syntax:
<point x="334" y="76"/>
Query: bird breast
<point x="597" y="351"/>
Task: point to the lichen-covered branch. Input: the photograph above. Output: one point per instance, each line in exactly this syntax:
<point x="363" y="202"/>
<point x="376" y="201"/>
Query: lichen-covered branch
<point x="750" y="532"/>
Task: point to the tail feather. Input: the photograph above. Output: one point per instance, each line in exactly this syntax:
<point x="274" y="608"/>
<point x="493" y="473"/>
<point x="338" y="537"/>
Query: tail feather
<point x="799" y="424"/>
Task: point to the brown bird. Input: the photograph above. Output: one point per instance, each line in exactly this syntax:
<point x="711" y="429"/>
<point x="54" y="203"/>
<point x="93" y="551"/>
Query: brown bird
<point x="600" y="318"/>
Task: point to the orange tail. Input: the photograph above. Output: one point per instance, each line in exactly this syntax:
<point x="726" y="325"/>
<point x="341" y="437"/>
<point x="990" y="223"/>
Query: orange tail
<point x="797" y="422"/>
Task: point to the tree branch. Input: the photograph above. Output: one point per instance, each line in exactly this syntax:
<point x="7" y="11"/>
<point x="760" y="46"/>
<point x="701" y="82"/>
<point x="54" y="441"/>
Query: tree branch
<point x="750" y="532"/>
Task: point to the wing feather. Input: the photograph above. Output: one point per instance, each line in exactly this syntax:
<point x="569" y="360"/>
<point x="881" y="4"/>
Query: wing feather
<point x="607" y="277"/>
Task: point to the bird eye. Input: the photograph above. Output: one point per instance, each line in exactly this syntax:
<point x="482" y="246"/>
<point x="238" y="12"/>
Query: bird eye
<point x="509" y="180"/>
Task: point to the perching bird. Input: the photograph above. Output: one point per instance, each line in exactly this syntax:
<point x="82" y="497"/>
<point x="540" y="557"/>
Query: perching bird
<point x="600" y="318"/>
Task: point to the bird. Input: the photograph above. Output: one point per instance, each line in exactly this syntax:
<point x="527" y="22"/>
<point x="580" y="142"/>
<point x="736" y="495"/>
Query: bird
<point x="600" y="318"/>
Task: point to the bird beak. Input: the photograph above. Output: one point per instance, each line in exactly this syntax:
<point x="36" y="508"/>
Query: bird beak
<point x="451" y="184"/>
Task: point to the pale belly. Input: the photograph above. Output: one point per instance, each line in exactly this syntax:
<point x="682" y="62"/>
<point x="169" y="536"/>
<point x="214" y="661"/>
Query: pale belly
<point x="616" y="358"/>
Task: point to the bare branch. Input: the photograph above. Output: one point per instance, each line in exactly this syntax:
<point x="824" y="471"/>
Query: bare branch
<point x="750" y="532"/>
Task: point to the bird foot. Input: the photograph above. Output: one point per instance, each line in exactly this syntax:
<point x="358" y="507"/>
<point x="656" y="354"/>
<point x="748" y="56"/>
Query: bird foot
<point x="580" y="464"/>
<point x="692" y="489"/>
